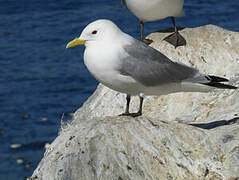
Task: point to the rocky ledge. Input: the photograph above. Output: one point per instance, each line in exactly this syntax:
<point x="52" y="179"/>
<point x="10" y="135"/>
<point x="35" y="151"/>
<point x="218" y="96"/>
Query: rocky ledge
<point x="179" y="136"/>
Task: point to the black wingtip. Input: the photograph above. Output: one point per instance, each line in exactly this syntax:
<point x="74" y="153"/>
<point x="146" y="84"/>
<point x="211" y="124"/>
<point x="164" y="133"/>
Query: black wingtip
<point x="215" y="81"/>
<point x="221" y="86"/>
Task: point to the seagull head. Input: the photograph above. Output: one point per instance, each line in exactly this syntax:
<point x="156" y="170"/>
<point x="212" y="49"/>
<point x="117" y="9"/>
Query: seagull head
<point x="98" y="31"/>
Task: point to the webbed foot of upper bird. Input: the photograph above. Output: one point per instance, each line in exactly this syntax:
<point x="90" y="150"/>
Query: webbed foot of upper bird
<point x="147" y="41"/>
<point x="176" y="39"/>
<point x="131" y="114"/>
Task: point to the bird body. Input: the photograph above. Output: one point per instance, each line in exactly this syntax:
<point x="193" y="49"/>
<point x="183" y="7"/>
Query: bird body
<point x="153" y="10"/>
<point x="110" y="71"/>
<point x="129" y="66"/>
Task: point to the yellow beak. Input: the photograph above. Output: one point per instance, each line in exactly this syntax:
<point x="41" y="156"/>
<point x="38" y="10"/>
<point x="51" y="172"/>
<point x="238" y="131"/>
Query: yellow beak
<point x="75" y="42"/>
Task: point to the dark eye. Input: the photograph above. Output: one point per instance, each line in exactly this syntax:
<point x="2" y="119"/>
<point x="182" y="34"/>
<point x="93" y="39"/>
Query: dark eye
<point x="94" y="32"/>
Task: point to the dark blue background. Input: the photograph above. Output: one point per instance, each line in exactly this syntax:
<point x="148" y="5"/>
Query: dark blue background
<point x="40" y="78"/>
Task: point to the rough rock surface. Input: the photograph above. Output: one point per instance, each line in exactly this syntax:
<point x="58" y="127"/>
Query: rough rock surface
<point x="179" y="136"/>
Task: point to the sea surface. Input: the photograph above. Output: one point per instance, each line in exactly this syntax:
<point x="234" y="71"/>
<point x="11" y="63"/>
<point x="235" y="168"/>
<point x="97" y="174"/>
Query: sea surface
<point x="40" y="80"/>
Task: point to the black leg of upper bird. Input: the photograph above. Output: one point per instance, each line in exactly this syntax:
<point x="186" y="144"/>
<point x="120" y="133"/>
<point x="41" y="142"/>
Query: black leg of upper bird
<point x="174" y="24"/>
<point x="123" y="2"/>
<point x="146" y="41"/>
<point x="175" y="39"/>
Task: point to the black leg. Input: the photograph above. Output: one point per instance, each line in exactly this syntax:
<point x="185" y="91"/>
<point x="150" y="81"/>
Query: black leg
<point x="142" y="29"/>
<point x="175" y="39"/>
<point x="141" y="105"/>
<point x="146" y="41"/>
<point x="123" y="2"/>
<point x="126" y="113"/>
<point x="139" y="113"/>
<point x="128" y="98"/>
<point x="174" y="24"/>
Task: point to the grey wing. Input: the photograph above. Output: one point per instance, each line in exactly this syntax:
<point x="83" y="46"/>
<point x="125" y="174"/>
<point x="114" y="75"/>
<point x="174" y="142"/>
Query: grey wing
<point x="151" y="68"/>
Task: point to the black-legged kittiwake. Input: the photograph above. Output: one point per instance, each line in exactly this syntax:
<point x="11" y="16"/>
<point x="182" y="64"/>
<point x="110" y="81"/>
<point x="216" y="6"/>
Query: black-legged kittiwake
<point x="129" y="66"/>
<point x="153" y="10"/>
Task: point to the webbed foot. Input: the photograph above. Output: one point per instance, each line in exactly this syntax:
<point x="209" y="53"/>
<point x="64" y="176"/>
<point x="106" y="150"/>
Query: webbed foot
<point x="176" y="39"/>
<point x="147" y="41"/>
<point x="131" y="114"/>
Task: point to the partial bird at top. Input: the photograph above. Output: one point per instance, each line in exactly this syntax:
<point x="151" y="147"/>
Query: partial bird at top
<point x="129" y="66"/>
<point x="153" y="10"/>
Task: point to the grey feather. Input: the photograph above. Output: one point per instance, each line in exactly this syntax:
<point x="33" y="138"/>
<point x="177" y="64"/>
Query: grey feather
<point x="151" y="68"/>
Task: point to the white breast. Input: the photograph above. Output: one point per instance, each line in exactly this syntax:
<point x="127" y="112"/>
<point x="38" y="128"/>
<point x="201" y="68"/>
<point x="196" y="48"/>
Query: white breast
<point x="102" y="62"/>
<point x="152" y="10"/>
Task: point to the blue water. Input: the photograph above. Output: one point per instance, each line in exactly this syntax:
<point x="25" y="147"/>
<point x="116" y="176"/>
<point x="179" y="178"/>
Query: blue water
<point x="39" y="78"/>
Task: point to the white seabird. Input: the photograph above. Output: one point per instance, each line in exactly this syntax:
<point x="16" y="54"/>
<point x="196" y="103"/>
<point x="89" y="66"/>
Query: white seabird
<point x="153" y="10"/>
<point x="129" y="66"/>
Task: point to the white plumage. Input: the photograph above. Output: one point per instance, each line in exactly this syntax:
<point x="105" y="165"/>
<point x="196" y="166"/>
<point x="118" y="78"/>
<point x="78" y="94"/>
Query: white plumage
<point x="152" y="10"/>
<point x="127" y="65"/>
